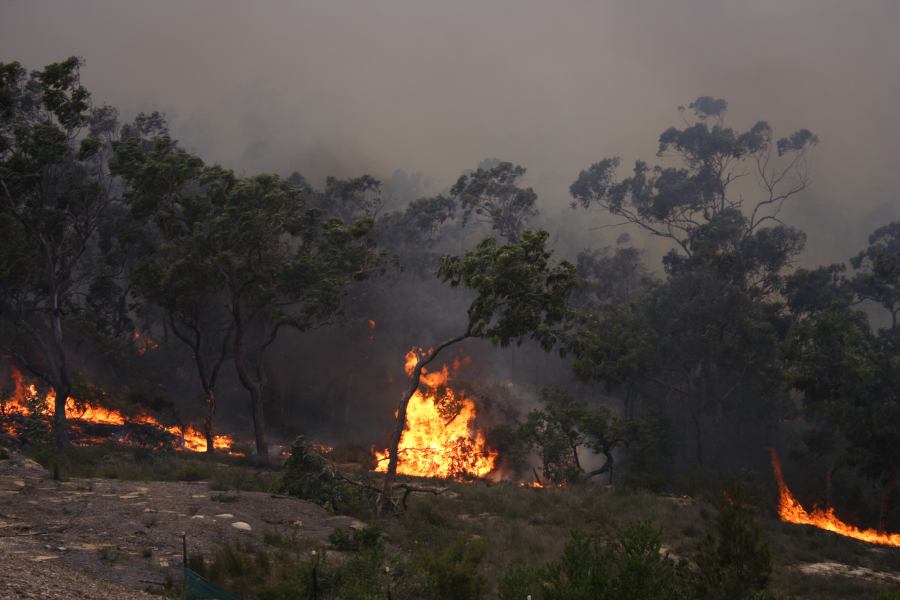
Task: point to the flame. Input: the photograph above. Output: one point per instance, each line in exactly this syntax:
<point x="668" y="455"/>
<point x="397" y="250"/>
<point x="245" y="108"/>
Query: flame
<point x="143" y="342"/>
<point x="25" y="395"/>
<point x="431" y="445"/>
<point x="791" y="511"/>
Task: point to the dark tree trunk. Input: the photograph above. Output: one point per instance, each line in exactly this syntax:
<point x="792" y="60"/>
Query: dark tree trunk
<point x="60" y="423"/>
<point x="210" y="397"/>
<point x="253" y="385"/>
<point x="60" y="367"/>
<point x="887" y="496"/>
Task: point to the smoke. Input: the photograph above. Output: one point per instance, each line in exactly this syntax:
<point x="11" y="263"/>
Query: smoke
<point x="341" y="87"/>
<point x="416" y="92"/>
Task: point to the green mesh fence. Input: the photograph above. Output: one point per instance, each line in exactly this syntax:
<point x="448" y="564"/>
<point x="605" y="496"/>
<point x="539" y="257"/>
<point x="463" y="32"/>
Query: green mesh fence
<point x="198" y="588"/>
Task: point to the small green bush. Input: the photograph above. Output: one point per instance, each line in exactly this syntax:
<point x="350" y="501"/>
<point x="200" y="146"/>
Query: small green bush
<point x="596" y="568"/>
<point x="356" y="540"/>
<point x="734" y="560"/>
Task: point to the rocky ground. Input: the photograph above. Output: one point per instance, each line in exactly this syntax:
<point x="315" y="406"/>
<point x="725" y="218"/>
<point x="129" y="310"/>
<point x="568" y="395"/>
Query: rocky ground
<point x="101" y="538"/>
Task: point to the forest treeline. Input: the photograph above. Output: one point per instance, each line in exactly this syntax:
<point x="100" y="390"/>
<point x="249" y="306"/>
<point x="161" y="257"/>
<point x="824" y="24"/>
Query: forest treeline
<point x="112" y="230"/>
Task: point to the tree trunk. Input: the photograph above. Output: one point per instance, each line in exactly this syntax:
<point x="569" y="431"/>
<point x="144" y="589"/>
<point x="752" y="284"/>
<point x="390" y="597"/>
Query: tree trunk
<point x="253" y="386"/>
<point x="60" y="423"/>
<point x="60" y="367"/>
<point x="886" y="497"/>
<point x="210" y="397"/>
<point x="259" y="422"/>
<point x="390" y="475"/>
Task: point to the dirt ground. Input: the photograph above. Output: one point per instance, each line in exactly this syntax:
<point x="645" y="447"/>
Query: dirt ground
<point x="101" y="538"/>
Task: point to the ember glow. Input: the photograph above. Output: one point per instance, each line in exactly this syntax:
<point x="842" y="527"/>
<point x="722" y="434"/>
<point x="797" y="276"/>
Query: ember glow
<point x="791" y="511"/>
<point x="143" y="343"/>
<point x="25" y="399"/>
<point x="433" y="444"/>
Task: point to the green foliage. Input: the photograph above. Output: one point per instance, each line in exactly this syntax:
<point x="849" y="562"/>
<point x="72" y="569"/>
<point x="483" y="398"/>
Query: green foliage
<point x="519" y="294"/>
<point x="564" y="425"/>
<point x="595" y="568"/>
<point x="356" y="540"/>
<point x="491" y="194"/>
<point x="878" y="270"/>
<point x="308" y="475"/>
<point x="447" y="572"/>
<point x="734" y="559"/>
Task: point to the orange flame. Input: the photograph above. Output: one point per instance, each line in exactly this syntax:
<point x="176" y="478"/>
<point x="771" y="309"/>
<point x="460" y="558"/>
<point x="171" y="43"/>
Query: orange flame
<point x="27" y="393"/>
<point x="432" y="445"/>
<point x="791" y="511"/>
<point x="143" y="342"/>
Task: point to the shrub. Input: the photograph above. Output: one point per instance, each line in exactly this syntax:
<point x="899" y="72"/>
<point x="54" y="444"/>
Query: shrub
<point x="595" y="568"/>
<point x="734" y="560"/>
<point x="356" y="540"/>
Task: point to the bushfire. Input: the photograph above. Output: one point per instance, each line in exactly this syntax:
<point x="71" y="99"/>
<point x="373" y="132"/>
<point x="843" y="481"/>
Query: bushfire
<point x="440" y="439"/>
<point x="26" y="400"/>
<point x="791" y="511"/>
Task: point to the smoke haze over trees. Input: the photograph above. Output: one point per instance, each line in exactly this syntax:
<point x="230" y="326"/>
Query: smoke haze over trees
<point x="281" y="190"/>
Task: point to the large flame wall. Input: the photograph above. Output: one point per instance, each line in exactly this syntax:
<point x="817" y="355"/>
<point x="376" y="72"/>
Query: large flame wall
<point x="431" y="445"/>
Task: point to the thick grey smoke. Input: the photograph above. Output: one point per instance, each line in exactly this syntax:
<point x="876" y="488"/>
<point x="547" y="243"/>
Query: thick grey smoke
<point x="343" y="87"/>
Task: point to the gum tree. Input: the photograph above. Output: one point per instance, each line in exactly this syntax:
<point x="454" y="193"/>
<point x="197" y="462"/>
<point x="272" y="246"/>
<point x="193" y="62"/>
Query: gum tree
<point x="54" y="195"/>
<point x="519" y="294"/>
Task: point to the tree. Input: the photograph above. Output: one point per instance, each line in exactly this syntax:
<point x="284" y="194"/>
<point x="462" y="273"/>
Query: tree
<point x="493" y="196"/>
<point x="282" y="264"/>
<point x="173" y="199"/>
<point x="708" y="335"/>
<point x="878" y="271"/>
<point x="849" y="375"/>
<point x="563" y="426"/>
<point x="672" y="202"/>
<point x="55" y="194"/>
<point x="734" y="560"/>
<point x="518" y="295"/>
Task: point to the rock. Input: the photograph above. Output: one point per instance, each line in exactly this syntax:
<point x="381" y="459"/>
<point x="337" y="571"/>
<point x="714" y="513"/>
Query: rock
<point x="198" y="517"/>
<point x="241" y="526"/>
<point x="225" y="516"/>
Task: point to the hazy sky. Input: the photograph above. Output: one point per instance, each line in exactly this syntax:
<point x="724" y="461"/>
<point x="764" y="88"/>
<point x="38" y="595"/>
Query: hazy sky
<point x="340" y="87"/>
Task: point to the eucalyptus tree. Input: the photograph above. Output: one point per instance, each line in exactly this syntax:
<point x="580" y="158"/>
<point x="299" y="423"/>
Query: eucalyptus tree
<point x="282" y="263"/>
<point x="55" y="191"/>
<point x="848" y="372"/>
<point x="492" y="195"/>
<point x="173" y="199"/>
<point x="707" y="336"/>
<point x="518" y="293"/>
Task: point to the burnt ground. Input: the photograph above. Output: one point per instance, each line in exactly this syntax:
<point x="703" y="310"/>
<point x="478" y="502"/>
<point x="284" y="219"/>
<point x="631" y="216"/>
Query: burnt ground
<point x="104" y="538"/>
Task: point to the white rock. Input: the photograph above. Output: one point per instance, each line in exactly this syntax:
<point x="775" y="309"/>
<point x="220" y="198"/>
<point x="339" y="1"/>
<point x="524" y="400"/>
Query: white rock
<point x="241" y="526"/>
<point x="225" y="516"/>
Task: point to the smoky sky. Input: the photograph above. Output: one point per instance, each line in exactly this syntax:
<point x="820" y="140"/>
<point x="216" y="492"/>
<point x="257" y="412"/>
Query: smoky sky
<point x="345" y="87"/>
